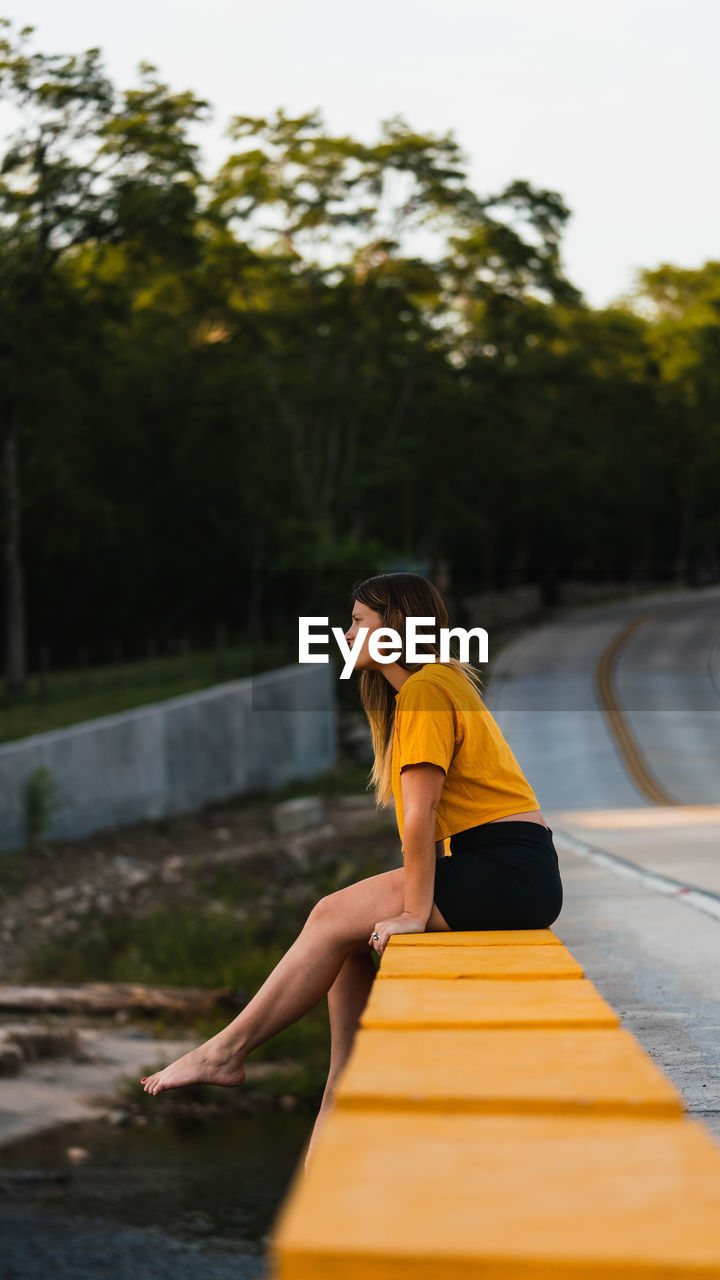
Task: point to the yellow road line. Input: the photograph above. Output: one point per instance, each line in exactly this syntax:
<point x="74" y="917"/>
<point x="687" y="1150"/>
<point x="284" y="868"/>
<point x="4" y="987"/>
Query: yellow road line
<point x="618" y="727"/>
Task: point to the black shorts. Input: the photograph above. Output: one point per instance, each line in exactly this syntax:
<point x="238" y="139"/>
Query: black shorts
<point x="502" y="875"/>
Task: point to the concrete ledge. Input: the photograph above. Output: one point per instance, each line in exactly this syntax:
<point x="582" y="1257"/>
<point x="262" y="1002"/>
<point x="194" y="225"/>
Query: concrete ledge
<point x="484" y="938"/>
<point x="479" y="962"/>
<point x="588" y="1071"/>
<point x="486" y="1002"/>
<point x="419" y="1196"/>
<point x="503" y="1126"/>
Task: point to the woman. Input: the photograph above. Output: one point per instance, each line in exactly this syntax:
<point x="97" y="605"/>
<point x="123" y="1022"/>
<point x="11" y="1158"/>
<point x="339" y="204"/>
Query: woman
<point x="443" y="759"/>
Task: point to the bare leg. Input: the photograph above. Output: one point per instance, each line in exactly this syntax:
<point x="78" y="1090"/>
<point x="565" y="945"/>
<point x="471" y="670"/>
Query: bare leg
<point x="347" y="998"/>
<point x="337" y="925"/>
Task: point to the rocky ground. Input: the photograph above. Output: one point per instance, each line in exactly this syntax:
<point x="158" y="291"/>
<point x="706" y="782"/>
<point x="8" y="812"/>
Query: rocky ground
<point x="56" y="888"/>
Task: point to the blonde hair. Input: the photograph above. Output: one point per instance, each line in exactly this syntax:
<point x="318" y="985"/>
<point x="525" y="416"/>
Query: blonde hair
<point x="396" y="597"/>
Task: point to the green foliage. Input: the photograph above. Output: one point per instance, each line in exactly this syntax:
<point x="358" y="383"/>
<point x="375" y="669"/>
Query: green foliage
<point x="72" y="696"/>
<point x="344" y="778"/>
<point x="235" y="393"/>
<point x="228" y="928"/>
<point x="41" y="792"/>
<point x="185" y="948"/>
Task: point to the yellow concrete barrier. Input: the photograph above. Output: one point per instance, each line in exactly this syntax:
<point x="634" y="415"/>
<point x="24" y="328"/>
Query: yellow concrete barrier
<point x="503" y="1126"/>
<point x="591" y="1070"/>
<point x="486" y="1002"/>
<point x="484" y="938"/>
<point x="421" y="1196"/>
<point x="478" y="962"/>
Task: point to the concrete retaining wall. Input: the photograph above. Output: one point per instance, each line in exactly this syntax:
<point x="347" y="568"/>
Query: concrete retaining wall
<point x="172" y="757"/>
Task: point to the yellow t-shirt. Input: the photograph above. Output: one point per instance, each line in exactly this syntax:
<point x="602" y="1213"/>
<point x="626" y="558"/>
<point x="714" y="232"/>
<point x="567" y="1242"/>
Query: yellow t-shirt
<point x="440" y="718"/>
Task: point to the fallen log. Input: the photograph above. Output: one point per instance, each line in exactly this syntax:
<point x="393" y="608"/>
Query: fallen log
<point x="114" y="997"/>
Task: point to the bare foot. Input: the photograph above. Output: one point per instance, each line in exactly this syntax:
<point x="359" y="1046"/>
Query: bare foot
<point x="210" y="1063"/>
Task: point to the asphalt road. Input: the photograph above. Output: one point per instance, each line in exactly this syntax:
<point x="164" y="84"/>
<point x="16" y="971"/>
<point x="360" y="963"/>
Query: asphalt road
<point x="656" y="661"/>
<point x="613" y="712"/>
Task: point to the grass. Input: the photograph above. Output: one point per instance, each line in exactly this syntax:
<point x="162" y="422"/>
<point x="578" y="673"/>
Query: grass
<point x="16" y="872"/>
<point x="185" y="947"/>
<point x="227" y="926"/>
<point x="75" y="696"/>
<point x="346" y="777"/>
<point x="191" y="948"/>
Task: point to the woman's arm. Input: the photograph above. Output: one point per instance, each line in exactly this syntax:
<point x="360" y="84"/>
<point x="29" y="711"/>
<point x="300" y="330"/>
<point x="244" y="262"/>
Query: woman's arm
<point x="421" y="789"/>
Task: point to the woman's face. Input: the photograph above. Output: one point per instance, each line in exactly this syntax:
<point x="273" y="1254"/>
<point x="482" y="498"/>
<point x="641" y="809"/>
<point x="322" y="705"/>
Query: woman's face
<point x="362" y="616"/>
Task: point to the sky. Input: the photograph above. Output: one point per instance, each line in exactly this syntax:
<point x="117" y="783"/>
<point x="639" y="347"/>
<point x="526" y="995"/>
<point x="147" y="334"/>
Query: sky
<point x="611" y="103"/>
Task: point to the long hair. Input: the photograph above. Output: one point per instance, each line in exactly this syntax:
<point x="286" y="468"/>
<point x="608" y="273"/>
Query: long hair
<point x="396" y="597"/>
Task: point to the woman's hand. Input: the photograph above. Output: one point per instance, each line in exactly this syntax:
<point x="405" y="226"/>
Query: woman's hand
<point x="397" y="924"/>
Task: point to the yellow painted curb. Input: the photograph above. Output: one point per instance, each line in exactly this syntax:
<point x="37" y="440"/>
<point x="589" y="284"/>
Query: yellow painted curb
<point x="476" y="962"/>
<point x="421" y="1196"/>
<point x="477" y="938"/>
<point x="591" y="1070"/>
<point x="486" y="1002"/>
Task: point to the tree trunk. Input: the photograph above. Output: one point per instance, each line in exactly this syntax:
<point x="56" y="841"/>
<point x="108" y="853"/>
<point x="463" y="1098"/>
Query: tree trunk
<point x="110" y="997"/>
<point x="15" y="664"/>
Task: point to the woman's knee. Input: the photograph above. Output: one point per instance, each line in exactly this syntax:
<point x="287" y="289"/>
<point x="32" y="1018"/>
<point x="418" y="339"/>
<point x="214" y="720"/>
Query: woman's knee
<point x="324" y="910"/>
<point x="358" y="906"/>
<point x="329" y="910"/>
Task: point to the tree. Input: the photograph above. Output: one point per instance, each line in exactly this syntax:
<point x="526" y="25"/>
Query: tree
<point x="86" y="166"/>
<point x="682" y="311"/>
<point x="364" y="324"/>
